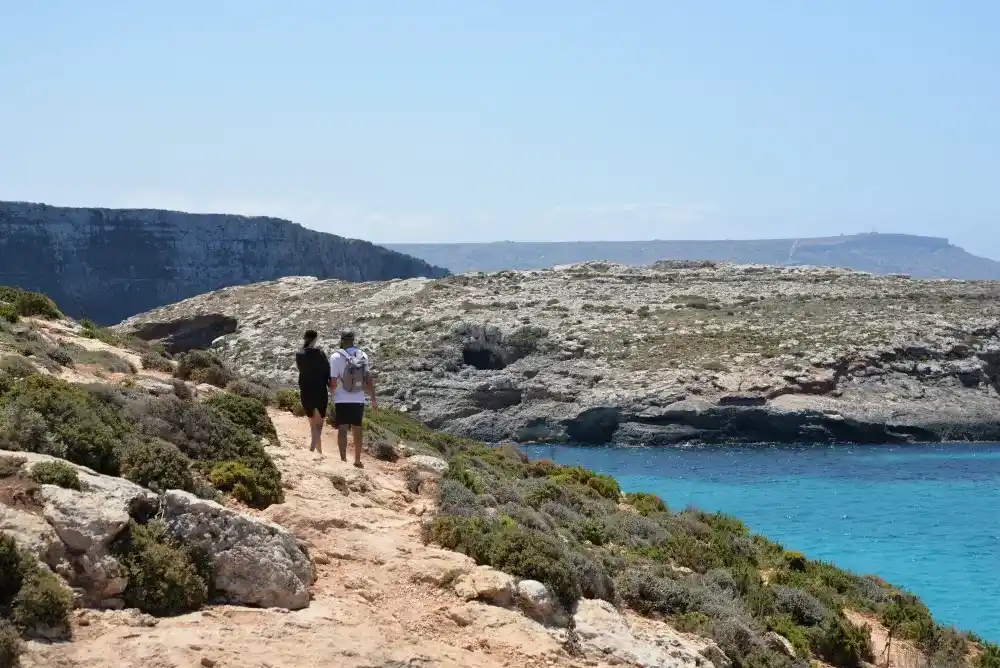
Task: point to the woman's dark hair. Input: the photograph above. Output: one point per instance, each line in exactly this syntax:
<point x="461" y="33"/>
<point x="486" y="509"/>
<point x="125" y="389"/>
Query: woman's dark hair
<point x="309" y="336"/>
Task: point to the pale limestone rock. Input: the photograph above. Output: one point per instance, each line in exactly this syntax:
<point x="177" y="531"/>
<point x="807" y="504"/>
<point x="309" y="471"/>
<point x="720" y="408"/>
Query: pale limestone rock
<point x="256" y="562"/>
<point x="486" y="584"/>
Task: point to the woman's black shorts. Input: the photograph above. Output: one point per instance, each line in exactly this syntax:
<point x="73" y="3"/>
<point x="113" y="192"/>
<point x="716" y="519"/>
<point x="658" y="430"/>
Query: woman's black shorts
<point x="316" y="400"/>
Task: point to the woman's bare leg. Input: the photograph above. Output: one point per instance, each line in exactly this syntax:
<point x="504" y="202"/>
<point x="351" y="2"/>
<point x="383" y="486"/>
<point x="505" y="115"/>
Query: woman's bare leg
<point x="316" y="427"/>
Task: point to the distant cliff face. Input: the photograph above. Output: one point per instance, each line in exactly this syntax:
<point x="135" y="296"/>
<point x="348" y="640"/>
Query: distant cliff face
<point x="109" y="264"/>
<point x="920" y="257"/>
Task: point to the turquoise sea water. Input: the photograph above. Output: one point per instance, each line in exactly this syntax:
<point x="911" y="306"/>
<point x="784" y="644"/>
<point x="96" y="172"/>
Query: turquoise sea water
<point x="924" y="517"/>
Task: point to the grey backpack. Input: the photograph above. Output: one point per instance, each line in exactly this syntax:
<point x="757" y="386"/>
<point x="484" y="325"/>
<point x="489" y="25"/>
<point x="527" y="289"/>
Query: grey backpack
<point x="355" y="371"/>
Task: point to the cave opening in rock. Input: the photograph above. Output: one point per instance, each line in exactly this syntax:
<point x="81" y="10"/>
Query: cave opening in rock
<point x="483" y="359"/>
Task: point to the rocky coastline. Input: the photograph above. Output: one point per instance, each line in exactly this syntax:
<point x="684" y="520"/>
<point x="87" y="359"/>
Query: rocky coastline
<point x="672" y="353"/>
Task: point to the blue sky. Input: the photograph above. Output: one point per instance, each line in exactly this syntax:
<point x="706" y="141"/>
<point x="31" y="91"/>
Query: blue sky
<point x="544" y="120"/>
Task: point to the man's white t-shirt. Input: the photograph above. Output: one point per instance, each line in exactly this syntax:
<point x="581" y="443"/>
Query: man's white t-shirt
<point x="337" y="365"/>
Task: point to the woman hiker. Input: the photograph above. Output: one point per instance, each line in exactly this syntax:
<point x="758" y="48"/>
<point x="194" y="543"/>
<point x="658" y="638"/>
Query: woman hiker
<point x="314" y="379"/>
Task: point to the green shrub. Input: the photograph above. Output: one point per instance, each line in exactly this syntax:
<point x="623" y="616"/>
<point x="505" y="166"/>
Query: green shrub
<point x="42" y="603"/>
<point x="17" y="366"/>
<point x="104" y="359"/>
<point x="287" y="399"/>
<point x="10" y="645"/>
<point x="30" y="594"/>
<point x="10" y="570"/>
<point x="209" y="438"/>
<point x="163" y="578"/>
<point x="57" y="473"/>
<point x="10" y="466"/>
<point x="788" y="629"/>
<point x="156" y="465"/>
<point x="8" y="313"/>
<point x="842" y="644"/>
<point x="249" y="484"/>
<point x="34" y="304"/>
<point x="62" y="355"/>
<point x="245" y="412"/>
<point x="646" y="504"/>
<point x="908" y="618"/>
<point x="155" y="362"/>
<point x="603" y="484"/>
<point x="506" y="546"/>
<point x="201" y="366"/>
<point x="251" y="390"/>
<point x="86" y="425"/>
<point x="6" y="382"/>
<point x="414" y="433"/>
<point x="804" y="608"/>
<point x="795" y="561"/>
<point x="182" y="390"/>
<point x="989" y="657"/>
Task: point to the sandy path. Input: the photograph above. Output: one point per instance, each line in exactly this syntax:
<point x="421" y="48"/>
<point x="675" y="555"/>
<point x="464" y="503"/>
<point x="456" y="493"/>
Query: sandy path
<point x="375" y="603"/>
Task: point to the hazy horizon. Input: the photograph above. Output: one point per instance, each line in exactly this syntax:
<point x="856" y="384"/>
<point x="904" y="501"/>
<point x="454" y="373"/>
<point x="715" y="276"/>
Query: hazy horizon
<point x="457" y="122"/>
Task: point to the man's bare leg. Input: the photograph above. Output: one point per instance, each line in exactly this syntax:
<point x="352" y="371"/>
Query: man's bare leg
<point x="316" y="427"/>
<point x="356" y="436"/>
<point x="342" y="441"/>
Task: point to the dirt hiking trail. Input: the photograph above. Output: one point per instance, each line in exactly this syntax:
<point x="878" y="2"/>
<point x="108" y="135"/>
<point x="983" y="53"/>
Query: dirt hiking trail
<point x="377" y="601"/>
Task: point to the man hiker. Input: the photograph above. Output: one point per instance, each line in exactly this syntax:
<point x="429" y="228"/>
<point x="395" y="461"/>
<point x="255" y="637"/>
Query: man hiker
<point x="350" y="380"/>
<point x="314" y="379"/>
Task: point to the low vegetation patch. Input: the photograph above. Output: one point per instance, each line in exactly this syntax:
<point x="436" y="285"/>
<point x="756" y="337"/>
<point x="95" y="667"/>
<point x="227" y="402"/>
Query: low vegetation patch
<point x="156" y="465"/>
<point x="153" y="361"/>
<point x="245" y="412"/>
<point x="160" y="442"/>
<point x="8" y="313"/>
<point x="201" y="366"/>
<point x="164" y="576"/>
<point x="255" y="487"/>
<point x="17" y="366"/>
<point x="28" y="304"/>
<point x="56" y="473"/>
<point x="287" y="399"/>
<point x="251" y="390"/>
<point x="705" y="573"/>
<point x="32" y="601"/>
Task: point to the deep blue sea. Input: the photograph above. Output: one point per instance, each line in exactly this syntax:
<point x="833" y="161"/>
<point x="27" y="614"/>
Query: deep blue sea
<point x="923" y="517"/>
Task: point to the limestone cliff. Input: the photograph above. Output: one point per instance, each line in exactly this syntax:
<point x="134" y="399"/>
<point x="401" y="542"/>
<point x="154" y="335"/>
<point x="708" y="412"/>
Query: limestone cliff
<point x="108" y="264"/>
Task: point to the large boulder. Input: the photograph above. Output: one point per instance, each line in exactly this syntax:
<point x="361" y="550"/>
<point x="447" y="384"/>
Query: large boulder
<point x="33" y="534"/>
<point x="605" y="632"/>
<point x="486" y="584"/>
<point x="535" y="599"/>
<point x="256" y="562"/>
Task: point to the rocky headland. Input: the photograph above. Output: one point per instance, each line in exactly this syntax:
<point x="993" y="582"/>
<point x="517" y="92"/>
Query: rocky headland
<point x="108" y="264"/>
<point x="159" y="511"/>
<point x="676" y="352"/>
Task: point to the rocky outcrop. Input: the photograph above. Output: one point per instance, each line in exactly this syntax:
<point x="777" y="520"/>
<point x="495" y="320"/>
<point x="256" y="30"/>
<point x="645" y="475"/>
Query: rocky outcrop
<point x="107" y="264"/>
<point x="604" y="630"/>
<point x="256" y="562"/>
<point x="184" y="334"/>
<point x="677" y="352"/>
<point x="927" y="257"/>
